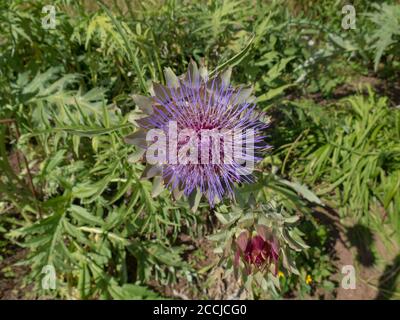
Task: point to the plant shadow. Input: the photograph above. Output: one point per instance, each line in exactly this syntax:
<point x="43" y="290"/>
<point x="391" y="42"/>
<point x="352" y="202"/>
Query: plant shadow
<point x="362" y="239"/>
<point x="388" y="280"/>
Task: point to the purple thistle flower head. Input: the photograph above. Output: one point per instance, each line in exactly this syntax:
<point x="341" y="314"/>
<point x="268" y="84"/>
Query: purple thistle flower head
<point x="209" y="133"/>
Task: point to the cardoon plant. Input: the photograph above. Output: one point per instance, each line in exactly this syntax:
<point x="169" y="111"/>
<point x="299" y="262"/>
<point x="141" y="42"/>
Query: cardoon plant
<point x="173" y="133"/>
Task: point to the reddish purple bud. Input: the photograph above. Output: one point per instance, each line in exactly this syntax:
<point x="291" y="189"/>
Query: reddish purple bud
<point x="258" y="251"/>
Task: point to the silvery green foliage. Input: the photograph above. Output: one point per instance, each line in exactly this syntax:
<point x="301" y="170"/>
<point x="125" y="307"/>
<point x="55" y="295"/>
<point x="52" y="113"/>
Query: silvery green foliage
<point x="386" y="31"/>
